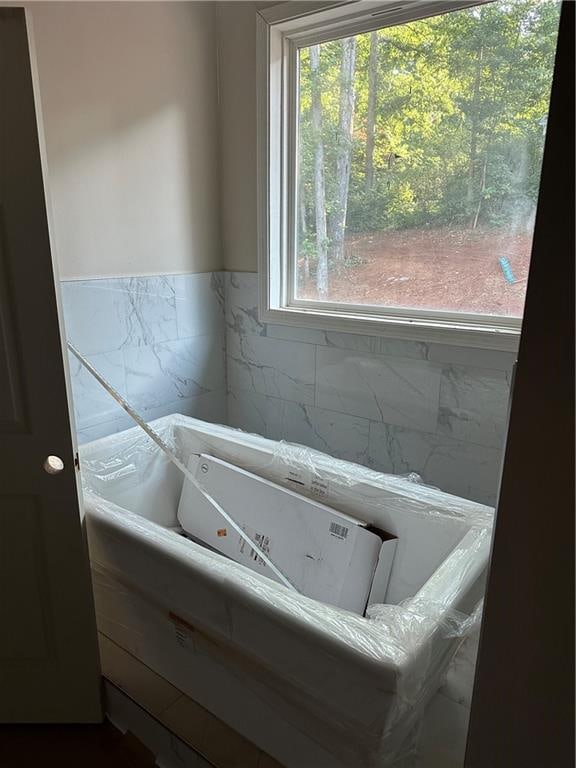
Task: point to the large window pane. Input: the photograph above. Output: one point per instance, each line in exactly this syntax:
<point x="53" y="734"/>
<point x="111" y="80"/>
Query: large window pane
<point x="419" y="156"/>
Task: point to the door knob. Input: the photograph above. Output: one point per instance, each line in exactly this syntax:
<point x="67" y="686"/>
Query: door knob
<point x="53" y="465"/>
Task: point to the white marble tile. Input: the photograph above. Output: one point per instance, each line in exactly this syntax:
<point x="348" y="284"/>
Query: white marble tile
<point x="248" y="411"/>
<point x="296" y="333"/>
<point x="93" y="312"/>
<point x="152" y="285"/>
<point x="378" y="345"/>
<point x="241" y="292"/>
<point x="271" y="367"/>
<point x="199" y="304"/>
<point x="374" y="345"/>
<point x="107" y="315"/>
<point x="151" y="311"/>
<point x="92" y="403"/>
<point x="472" y="356"/>
<point x="465" y="469"/>
<point x="337" y="434"/>
<point x="210" y="406"/>
<point x="474" y="405"/>
<point x="395" y="391"/>
<point x="448" y="429"/>
<point x="166" y="373"/>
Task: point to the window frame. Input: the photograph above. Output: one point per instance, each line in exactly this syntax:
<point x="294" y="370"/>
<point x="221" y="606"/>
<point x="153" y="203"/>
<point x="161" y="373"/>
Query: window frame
<point x="281" y="31"/>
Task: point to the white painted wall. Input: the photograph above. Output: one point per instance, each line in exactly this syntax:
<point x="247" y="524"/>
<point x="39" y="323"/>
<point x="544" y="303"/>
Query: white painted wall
<point x="129" y="98"/>
<point x="237" y="80"/>
<point x="237" y="83"/>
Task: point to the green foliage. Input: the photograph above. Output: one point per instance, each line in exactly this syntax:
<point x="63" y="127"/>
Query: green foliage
<point x="461" y="105"/>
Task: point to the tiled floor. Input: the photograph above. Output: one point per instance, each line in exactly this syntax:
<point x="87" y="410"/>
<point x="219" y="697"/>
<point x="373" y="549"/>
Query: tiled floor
<point x="170" y="751"/>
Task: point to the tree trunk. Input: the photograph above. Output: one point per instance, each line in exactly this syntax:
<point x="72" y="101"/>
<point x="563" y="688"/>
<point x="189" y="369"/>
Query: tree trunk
<point x="482" y="189"/>
<point x="304" y="232"/>
<point x="319" y="193"/>
<point x="344" y="148"/>
<point x="475" y="123"/>
<point x="371" y="111"/>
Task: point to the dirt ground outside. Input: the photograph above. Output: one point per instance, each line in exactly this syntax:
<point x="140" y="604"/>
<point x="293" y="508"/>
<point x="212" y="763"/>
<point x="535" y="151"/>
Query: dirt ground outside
<point x="447" y="269"/>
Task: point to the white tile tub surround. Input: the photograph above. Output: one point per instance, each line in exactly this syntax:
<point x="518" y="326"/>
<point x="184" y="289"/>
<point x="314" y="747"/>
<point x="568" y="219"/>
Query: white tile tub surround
<point x="378" y="387"/>
<point x="334" y="433"/>
<point x="173" y="370"/>
<point x="159" y="340"/>
<point x="283" y="369"/>
<point x="170" y="343"/>
<point x="397" y="406"/>
<point x="117" y="313"/>
<point x="473" y="405"/>
<point x="465" y="469"/>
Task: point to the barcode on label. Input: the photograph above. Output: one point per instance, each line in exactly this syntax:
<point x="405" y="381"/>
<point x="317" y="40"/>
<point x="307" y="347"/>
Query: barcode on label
<point x="338" y="530"/>
<point x="263" y="543"/>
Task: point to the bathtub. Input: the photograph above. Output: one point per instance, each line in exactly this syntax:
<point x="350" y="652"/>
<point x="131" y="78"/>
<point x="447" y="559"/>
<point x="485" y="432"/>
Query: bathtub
<point x="313" y="685"/>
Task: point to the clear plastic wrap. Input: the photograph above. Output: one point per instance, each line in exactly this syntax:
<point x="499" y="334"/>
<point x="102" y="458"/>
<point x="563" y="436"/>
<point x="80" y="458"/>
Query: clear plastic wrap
<point x="353" y="686"/>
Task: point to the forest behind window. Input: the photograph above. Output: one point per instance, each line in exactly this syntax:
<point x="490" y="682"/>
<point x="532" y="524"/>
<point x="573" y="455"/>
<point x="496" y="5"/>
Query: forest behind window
<point x="419" y="156"/>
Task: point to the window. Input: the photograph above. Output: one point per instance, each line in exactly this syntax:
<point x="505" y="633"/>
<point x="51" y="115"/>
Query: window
<point x="401" y="146"/>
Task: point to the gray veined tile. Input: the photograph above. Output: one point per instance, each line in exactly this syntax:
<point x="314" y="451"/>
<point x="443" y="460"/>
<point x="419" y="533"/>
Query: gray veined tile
<point x="92" y="403"/>
<point x="107" y="315"/>
<point x="248" y="411"/>
<point x="241" y="292"/>
<point x="464" y="469"/>
<point x="402" y="392"/>
<point x="150" y="312"/>
<point x="209" y="406"/>
<point x="165" y="373"/>
<point x="154" y="285"/>
<point x="296" y="333"/>
<point x="199" y="304"/>
<point x="271" y="367"/>
<point x="471" y="356"/>
<point x="336" y="434"/>
<point x="218" y="287"/>
<point x="377" y="345"/>
<point x="474" y="405"/>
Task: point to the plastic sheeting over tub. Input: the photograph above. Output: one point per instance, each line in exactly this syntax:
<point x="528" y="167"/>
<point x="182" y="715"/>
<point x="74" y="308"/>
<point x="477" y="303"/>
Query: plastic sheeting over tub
<point x="311" y="684"/>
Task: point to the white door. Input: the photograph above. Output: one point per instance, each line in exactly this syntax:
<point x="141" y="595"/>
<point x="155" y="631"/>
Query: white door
<point x="48" y="651"/>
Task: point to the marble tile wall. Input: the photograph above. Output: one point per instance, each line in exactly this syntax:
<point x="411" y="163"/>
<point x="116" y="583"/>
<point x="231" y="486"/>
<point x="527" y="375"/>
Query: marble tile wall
<point x="193" y="344"/>
<point x="158" y="340"/>
<point x="396" y="406"/>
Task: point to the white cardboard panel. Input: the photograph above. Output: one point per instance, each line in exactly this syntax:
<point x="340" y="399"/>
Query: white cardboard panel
<point x="326" y="555"/>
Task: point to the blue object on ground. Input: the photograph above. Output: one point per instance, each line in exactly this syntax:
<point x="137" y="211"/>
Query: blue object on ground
<point x="507" y="269"/>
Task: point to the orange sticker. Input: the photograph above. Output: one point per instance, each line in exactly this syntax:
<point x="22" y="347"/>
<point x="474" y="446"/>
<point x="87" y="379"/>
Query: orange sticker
<point x="222" y="532"/>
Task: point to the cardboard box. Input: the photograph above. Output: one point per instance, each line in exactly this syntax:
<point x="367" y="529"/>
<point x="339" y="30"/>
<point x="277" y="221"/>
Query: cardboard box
<point x="326" y="554"/>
